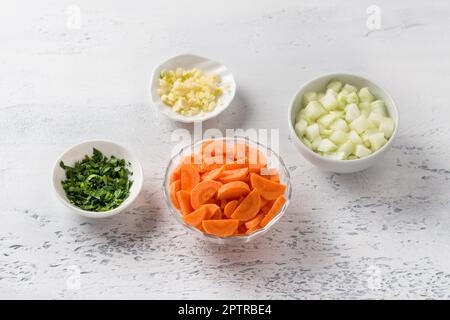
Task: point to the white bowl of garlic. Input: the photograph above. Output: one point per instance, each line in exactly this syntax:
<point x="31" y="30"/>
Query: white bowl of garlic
<point x="189" y="88"/>
<point x="343" y="123"/>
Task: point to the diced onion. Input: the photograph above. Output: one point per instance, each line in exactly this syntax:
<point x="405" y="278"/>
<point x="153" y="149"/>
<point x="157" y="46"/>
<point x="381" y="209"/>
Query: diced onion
<point x="343" y="122"/>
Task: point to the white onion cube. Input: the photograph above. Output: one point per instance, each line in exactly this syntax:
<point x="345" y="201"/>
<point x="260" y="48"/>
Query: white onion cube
<point x="327" y="119"/>
<point x="362" y="151"/>
<point x="354" y="137"/>
<point x="339" y="137"/>
<point x="339" y="124"/>
<point x="378" y="107"/>
<point x="351" y="112"/>
<point x="335" y="85"/>
<point x="375" y="118"/>
<point x="387" y="127"/>
<point x="329" y="101"/>
<point x="314" y="110"/>
<point x="349" y="88"/>
<point x="360" y="124"/>
<point x="377" y="140"/>
<point x="352" y="98"/>
<point x="312" y="132"/>
<point x="300" y="127"/>
<point x="316" y="142"/>
<point x="326" y="145"/>
<point x="365" y="95"/>
<point x="308" y="97"/>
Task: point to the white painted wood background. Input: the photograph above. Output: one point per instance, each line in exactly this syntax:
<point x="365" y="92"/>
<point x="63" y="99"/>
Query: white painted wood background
<point x="381" y="233"/>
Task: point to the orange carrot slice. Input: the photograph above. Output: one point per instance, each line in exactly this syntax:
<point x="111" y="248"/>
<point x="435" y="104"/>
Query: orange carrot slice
<point x="195" y="218"/>
<point x="251" y="230"/>
<point x="263" y="202"/>
<point x="267" y="188"/>
<point x="234" y="165"/>
<point x="184" y="200"/>
<point x="203" y="192"/>
<point x="273" y="211"/>
<point x="220" y="228"/>
<point x="233" y="175"/>
<point x="267" y="206"/>
<point x="255" y="221"/>
<point x="213" y="211"/>
<point x="173" y="189"/>
<point x="213" y="174"/>
<point x="233" y="190"/>
<point x="249" y="207"/>
<point x="189" y="177"/>
<point x="229" y="208"/>
<point x="175" y="175"/>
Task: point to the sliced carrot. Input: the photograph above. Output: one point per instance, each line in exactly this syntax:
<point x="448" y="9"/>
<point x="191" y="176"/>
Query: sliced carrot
<point x="184" y="200"/>
<point x="266" y="207"/>
<point x="203" y="192"/>
<point x="263" y="202"/>
<point x="210" y="163"/>
<point x="213" y="174"/>
<point x="195" y="218"/>
<point x="233" y="175"/>
<point x="267" y="188"/>
<point x="230" y="207"/>
<point x="279" y="202"/>
<point x="251" y="230"/>
<point x="189" y="176"/>
<point x="213" y="211"/>
<point x="173" y="189"/>
<point x="234" y="165"/>
<point x="233" y="190"/>
<point x="175" y="175"/>
<point x="249" y="207"/>
<point x="221" y="228"/>
<point x="255" y="221"/>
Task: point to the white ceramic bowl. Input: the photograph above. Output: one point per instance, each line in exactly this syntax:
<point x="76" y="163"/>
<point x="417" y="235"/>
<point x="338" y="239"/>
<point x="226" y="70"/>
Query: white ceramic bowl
<point x="189" y="61"/>
<point x="341" y="166"/>
<point x="108" y="148"/>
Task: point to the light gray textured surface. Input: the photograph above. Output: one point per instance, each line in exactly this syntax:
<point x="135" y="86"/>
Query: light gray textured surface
<point x="381" y="233"/>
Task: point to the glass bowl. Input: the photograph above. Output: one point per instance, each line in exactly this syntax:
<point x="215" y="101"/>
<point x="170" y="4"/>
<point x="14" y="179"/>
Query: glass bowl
<point x="273" y="161"/>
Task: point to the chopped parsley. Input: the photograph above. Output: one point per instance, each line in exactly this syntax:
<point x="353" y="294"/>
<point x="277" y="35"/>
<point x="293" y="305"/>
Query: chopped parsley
<point x="97" y="183"/>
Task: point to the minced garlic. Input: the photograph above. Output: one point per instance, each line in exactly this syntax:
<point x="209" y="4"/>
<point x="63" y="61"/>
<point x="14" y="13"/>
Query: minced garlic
<point x="189" y="92"/>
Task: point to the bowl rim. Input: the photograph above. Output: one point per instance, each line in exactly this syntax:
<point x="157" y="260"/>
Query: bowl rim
<point x="94" y="214"/>
<point x="177" y="215"/>
<point x="208" y="115"/>
<point x="330" y="160"/>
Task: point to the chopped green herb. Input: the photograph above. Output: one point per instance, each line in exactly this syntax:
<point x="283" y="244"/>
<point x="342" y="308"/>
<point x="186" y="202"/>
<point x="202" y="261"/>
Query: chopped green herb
<point x="97" y="183"/>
